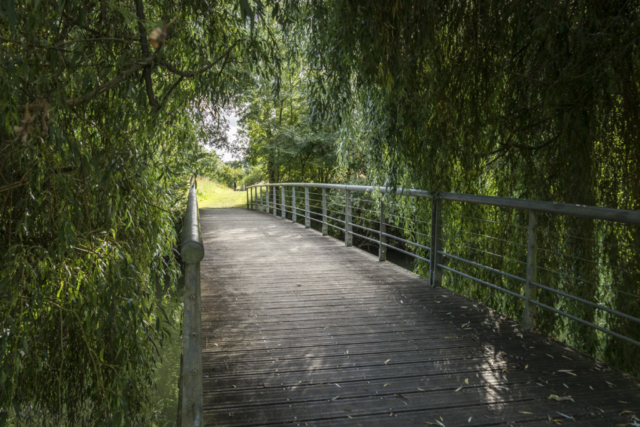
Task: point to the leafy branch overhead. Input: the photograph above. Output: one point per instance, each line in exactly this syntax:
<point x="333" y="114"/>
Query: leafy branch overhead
<point x="104" y="109"/>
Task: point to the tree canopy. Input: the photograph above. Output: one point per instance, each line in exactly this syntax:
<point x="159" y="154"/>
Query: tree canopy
<point x="102" y="107"/>
<point x="538" y="98"/>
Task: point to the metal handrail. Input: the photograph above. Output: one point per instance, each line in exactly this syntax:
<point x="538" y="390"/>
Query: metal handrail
<point x="192" y="252"/>
<point x="437" y="254"/>
<point x="584" y="211"/>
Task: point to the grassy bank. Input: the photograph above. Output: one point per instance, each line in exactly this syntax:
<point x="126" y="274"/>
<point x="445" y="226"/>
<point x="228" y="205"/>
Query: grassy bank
<point x="214" y="195"/>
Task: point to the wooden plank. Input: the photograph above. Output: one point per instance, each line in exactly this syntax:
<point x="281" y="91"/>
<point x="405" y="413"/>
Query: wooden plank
<point x="298" y="328"/>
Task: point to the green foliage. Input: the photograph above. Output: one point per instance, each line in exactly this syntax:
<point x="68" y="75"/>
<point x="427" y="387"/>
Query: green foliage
<point x="229" y="175"/>
<point x="532" y="100"/>
<point x="277" y="128"/>
<point x="99" y="132"/>
<point x="209" y="164"/>
<point x="253" y="175"/>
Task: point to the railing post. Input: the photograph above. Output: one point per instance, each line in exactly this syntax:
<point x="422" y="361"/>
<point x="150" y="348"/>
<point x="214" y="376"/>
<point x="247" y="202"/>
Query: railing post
<point x="348" y="237"/>
<point x="325" y="227"/>
<point x="192" y="252"/>
<point x="435" y="276"/>
<point x="307" y="212"/>
<point x="283" y="213"/>
<point x="247" y="200"/>
<point x="275" y="210"/>
<point x="382" y="252"/>
<point x="267" y="191"/>
<point x="261" y="203"/>
<point x="532" y="266"/>
<point x="294" y="211"/>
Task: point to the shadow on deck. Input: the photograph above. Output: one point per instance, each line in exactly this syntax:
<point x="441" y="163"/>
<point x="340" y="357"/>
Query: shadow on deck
<point x="299" y="329"/>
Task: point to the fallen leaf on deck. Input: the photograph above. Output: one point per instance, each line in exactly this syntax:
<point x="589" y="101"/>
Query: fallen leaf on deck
<point x="560" y="398"/>
<point x="567" y="416"/>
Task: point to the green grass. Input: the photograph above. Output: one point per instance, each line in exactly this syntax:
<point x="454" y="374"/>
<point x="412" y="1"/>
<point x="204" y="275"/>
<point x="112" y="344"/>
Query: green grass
<point x="214" y="195"/>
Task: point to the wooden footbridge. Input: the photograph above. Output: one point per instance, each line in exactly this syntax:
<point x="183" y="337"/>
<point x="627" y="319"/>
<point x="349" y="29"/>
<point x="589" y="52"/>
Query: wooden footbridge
<point x="298" y="328"/>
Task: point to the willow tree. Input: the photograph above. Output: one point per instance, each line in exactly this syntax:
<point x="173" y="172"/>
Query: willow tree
<point x="101" y="106"/>
<point x="532" y="99"/>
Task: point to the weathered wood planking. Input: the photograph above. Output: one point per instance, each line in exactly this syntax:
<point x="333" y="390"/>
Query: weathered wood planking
<point x="299" y="329"/>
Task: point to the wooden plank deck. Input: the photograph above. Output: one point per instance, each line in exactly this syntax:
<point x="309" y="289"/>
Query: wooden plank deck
<point x="300" y="330"/>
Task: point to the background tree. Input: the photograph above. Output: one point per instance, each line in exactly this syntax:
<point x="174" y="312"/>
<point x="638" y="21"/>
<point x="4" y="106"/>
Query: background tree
<point x="276" y="126"/>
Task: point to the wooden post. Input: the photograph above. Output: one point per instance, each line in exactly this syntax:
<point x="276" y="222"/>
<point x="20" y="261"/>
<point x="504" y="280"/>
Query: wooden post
<point x="294" y="215"/>
<point x="307" y="211"/>
<point x="436" y="241"/>
<point x="192" y="252"/>
<point x="247" y="200"/>
<point x="267" y="191"/>
<point x="261" y="203"/>
<point x="348" y="237"/>
<point x="382" y="252"/>
<point x="283" y="213"/>
<point x="532" y="265"/>
<point x="325" y="227"/>
<point x="275" y="206"/>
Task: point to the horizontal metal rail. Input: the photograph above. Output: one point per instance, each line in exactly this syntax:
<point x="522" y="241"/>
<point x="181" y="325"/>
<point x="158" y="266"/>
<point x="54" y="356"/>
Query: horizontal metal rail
<point x="583" y="211"/>
<point x="363" y="237"/>
<point x="406" y="252"/>
<point x="585" y="322"/>
<point x="475" y="279"/>
<point x="484" y="267"/>
<point x="437" y="255"/>
<point x="408" y="242"/>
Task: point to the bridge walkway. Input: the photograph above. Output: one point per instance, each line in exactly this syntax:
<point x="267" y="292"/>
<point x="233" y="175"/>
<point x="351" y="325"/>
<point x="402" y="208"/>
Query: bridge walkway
<point x="300" y="330"/>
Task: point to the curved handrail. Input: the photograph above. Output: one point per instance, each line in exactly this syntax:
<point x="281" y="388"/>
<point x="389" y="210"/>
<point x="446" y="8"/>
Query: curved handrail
<point x="583" y="211"/>
<point x="192" y="249"/>
<point x="192" y="252"/>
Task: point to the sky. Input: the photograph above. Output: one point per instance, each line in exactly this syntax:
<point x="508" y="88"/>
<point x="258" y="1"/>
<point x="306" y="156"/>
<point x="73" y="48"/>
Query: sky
<point x="231" y="135"/>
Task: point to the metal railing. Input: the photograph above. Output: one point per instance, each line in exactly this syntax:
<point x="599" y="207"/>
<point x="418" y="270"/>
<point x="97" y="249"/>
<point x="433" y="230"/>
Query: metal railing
<point x="432" y="251"/>
<point x="192" y="252"/>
